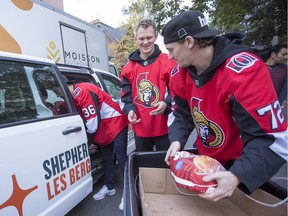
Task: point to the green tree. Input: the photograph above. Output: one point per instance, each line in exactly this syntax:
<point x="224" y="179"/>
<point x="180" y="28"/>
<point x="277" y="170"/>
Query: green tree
<point x="136" y="11"/>
<point x="260" y="20"/>
<point x="161" y="11"/>
<point x="124" y="47"/>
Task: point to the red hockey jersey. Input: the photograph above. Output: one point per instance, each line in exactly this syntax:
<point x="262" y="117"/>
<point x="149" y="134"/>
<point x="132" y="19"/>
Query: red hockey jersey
<point x="217" y="125"/>
<point x="102" y="115"/>
<point x="142" y="87"/>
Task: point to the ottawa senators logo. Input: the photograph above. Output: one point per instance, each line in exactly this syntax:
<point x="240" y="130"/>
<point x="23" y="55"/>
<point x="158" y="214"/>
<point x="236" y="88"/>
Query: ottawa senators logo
<point x="210" y="133"/>
<point x="147" y="93"/>
<point x="241" y="61"/>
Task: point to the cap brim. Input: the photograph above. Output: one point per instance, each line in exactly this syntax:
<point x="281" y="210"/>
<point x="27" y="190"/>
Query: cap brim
<point x="208" y="33"/>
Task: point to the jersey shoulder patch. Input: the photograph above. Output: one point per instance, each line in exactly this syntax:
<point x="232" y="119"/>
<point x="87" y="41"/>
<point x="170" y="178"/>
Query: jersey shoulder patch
<point x="175" y="70"/>
<point x="76" y="92"/>
<point x="241" y="61"/>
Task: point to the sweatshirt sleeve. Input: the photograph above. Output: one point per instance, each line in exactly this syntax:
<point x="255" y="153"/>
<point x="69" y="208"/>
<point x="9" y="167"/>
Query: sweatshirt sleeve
<point x="283" y="91"/>
<point x="167" y="100"/>
<point x="126" y="96"/>
<point x="180" y="123"/>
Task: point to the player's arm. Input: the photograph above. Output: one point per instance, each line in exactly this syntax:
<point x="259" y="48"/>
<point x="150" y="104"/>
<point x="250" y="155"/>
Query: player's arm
<point x="262" y="126"/>
<point x="180" y="121"/>
<point x="126" y="96"/>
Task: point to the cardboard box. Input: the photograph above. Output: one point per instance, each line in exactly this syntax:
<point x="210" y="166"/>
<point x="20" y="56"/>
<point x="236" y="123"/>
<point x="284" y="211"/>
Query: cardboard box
<point x="160" y="196"/>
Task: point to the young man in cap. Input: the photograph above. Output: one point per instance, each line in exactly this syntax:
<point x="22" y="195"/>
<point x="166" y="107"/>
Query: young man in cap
<point x="106" y="126"/>
<point x="145" y="93"/>
<point x="226" y="93"/>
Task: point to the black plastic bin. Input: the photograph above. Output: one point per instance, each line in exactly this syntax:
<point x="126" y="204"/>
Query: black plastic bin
<point x="132" y="204"/>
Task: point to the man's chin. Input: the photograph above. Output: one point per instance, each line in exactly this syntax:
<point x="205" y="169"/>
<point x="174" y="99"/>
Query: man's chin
<point x="181" y="65"/>
<point x="147" y="51"/>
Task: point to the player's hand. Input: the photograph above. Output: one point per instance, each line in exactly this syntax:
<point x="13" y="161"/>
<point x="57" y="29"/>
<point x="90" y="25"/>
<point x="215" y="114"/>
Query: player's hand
<point x="161" y="106"/>
<point x="174" y="147"/>
<point x="132" y="117"/>
<point x="226" y="184"/>
<point x="93" y="149"/>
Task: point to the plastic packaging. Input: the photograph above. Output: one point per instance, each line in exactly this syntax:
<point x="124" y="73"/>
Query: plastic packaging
<point x="188" y="170"/>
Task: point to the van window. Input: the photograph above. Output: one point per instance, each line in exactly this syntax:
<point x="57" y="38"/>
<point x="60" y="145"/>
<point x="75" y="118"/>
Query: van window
<point x="113" y="69"/>
<point x="50" y="91"/>
<point x="16" y="98"/>
<point x="113" y="86"/>
<point x="24" y="91"/>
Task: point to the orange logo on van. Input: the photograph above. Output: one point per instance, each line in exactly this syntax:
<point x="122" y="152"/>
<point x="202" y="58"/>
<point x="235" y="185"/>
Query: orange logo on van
<point x="7" y="42"/>
<point x="18" y="196"/>
<point x="23" y="4"/>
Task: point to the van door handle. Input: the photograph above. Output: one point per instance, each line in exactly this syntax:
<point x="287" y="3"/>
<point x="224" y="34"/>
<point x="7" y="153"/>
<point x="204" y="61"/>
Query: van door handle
<point x="72" y="130"/>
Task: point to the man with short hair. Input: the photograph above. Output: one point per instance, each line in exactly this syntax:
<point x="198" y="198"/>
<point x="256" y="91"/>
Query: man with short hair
<point x="277" y="63"/>
<point x="225" y="90"/>
<point x="277" y="55"/>
<point x="145" y="94"/>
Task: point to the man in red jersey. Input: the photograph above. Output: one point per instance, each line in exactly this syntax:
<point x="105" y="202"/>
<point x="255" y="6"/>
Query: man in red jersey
<point x="226" y="93"/>
<point x="145" y="94"/>
<point x="106" y="126"/>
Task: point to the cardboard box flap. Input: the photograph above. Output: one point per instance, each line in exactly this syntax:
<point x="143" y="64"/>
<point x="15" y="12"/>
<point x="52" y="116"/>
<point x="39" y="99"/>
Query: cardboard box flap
<point x="252" y="207"/>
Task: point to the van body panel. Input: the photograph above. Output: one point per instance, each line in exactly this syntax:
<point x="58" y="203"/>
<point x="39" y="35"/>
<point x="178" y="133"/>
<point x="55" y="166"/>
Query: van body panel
<point x="45" y="164"/>
<point x="43" y="31"/>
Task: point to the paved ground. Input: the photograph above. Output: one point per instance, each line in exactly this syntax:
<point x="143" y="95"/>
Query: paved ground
<point x="106" y="207"/>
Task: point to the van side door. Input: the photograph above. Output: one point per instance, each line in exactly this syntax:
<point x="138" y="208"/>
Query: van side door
<point x="45" y="164"/>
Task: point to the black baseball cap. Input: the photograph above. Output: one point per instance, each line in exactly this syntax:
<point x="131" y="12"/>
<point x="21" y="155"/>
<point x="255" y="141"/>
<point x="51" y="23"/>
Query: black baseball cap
<point x="191" y="23"/>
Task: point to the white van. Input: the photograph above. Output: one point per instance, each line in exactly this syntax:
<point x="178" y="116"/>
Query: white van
<point x="45" y="164"/>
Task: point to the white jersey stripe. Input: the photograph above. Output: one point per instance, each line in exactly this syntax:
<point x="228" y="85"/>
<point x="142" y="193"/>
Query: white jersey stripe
<point x="280" y="146"/>
<point x="108" y="112"/>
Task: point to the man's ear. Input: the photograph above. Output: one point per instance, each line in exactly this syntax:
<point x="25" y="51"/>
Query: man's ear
<point x="156" y="35"/>
<point x="189" y="41"/>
